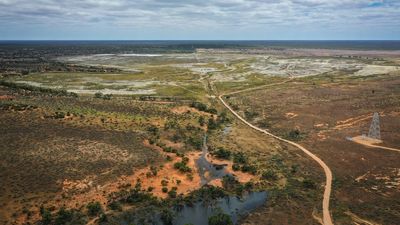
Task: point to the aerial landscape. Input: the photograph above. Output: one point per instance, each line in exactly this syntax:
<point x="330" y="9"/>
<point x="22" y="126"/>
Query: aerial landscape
<point x="214" y="130"/>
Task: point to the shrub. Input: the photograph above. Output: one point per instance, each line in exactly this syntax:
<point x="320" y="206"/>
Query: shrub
<point x="201" y="121"/>
<point x="64" y="216"/>
<point x="167" y="217"/>
<point x="172" y="193"/>
<point x="310" y="184"/>
<point x="46" y="216"/>
<point x="250" y="115"/>
<point x="94" y="208"/>
<point x="114" y="205"/>
<point x="98" y="95"/>
<point x="153" y="130"/>
<point x="59" y="115"/>
<point x="220" y="219"/>
<point x="136" y="196"/>
<point x="239" y="157"/>
<point x="182" y="167"/>
<point x="222" y="153"/>
<point x="153" y="170"/>
<point x="103" y="217"/>
<point x="229" y="182"/>
<point x="294" y="135"/>
<point x="212" y="125"/>
<point x="235" y="167"/>
<point x="189" y="176"/>
<point x="249" y="169"/>
<point x="164" y="189"/>
<point x="269" y="175"/>
<point x="164" y="183"/>
<point x="199" y="106"/>
<point x="212" y="111"/>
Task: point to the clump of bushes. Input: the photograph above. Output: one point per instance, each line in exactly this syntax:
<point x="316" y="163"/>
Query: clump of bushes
<point x="203" y="107"/>
<point x="249" y="169"/>
<point x="309" y="184"/>
<point x="114" y="205"/>
<point x="172" y="193"/>
<point x="182" y="166"/>
<point x="41" y="90"/>
<point x="102" y="96"/>
<point x="222" y="153"/>
<point x="239" y="157"/>
<point x="220" y="219"/>
<point x="294" y="135"/>
<point x="269" y="175"/>
<point x="94" y="208"/>
<point x="46" y="216"/>
<point x="164" y="183"/>
<point x="229" y="182"/>
<point x="64" y="216"/>
<point x="167" y="217"/>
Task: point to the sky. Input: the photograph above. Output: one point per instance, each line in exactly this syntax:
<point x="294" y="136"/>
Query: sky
<point x="199" y="20"/>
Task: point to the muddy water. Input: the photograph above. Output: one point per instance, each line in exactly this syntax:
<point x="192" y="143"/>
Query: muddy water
<point x="236" y="207"/>
<point x="207" y="170"/>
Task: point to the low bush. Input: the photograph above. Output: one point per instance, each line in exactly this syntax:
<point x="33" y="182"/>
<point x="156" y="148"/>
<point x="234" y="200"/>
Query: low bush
<point x="94" y="208"/>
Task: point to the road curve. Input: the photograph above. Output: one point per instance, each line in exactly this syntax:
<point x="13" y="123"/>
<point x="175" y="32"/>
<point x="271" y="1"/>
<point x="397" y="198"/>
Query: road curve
<point x="327" y="220"/>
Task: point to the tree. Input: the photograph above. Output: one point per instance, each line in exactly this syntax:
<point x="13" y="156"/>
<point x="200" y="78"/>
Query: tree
<point x="94" y="208"/>
<point x="167" y="217"/>
<point x="98" y="95"/>
<point x="222" y="153"/>
<point x="220" y="219"/>
<point x="201" y="121"/>
<point x="46" y="216"/>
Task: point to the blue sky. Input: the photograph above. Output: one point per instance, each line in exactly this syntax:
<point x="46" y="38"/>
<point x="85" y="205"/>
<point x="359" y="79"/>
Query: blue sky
<point x="199" y="19"/>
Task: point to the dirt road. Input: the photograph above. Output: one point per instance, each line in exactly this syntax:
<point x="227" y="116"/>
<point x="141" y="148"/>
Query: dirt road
<point x="327" y="220"/>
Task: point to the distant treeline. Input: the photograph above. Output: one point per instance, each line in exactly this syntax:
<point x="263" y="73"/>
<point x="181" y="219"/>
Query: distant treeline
<point x="42" y="90"/>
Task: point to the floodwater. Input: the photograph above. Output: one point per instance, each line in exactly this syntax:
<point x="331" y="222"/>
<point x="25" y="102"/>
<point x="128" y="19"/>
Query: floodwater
<point x="199" y="213"/>
<point x="207" y="170"/>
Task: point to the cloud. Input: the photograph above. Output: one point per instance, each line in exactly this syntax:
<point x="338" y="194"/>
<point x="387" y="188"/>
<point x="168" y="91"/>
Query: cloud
<point x="202" y="14"/>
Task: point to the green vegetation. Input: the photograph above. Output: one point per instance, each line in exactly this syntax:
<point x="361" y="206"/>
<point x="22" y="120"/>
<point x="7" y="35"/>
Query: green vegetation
<point x="46" y="216"/>
<point x="94" y="208"/>
<point x="295" y="135"/>
<point x="102" y="96"/>
<point x="35" y="89"/>
<point x="182" y="166"/>
<point x="220" y="219"/>
<point x="222" y="153"/>
<point x="164" y="189"/>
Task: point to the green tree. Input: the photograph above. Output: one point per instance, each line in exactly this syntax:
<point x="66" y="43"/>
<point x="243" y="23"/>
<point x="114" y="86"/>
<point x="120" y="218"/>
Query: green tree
<point x="220" y="219"/>
<point x="94" y="208"/>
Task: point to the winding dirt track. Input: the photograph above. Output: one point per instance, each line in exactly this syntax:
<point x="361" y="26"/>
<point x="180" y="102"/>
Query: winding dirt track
<point x="327" y="220"/>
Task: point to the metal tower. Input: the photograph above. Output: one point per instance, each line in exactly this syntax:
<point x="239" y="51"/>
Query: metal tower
<point x="374" y="129"/>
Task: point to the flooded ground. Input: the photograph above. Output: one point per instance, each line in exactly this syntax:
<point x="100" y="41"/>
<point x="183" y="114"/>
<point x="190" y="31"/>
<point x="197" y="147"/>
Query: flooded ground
<point x="199" y="212"/>
<point x="207" y="170"/>
<point x="233" y="206"/>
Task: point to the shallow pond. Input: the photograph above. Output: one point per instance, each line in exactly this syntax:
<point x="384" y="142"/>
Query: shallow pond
<point x="199" y="213"/>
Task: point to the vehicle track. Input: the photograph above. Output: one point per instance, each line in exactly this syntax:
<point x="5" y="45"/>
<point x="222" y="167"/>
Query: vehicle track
<point x="327" y="220"/>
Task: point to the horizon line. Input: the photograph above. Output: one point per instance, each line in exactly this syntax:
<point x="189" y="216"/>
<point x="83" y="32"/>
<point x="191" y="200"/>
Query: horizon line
<point x="1" y="40"/>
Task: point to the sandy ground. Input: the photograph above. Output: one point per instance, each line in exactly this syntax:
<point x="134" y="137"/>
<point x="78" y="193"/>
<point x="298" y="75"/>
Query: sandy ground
<point x="372" y="143"/>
